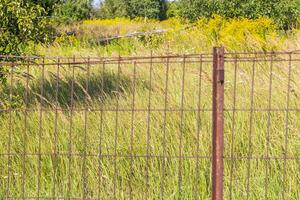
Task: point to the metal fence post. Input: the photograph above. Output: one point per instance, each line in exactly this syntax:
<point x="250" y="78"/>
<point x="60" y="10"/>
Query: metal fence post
<point x="218" y="123"/>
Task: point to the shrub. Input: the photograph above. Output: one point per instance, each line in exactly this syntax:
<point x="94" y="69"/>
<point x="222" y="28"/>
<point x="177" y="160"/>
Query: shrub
<point x="21" y="23"/>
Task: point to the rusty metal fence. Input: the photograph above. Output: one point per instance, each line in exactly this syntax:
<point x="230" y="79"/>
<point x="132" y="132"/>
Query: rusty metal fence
<point x="197" y="126"/>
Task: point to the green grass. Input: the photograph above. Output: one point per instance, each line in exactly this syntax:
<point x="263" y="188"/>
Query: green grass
<point x="64" y="131"/>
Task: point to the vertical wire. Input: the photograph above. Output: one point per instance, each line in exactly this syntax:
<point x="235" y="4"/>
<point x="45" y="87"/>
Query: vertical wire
<point x="55" y="130"/>
<point x="84" y="181"/>
<point x="286" y="125"/>
<point x="10" y="128"/>
<point x="116" y="130"/>
<point x="250" y="129"/>
<point x="101" y="133"/>
<point x="164" y="131"/>
<point x="181" y="130"/>
<point x="267" y="164"/>
<point x="199" y="123"/>
<point x="25" y="131"/>
<point x="148" y="124"/>
<point x="71" y="129"/>
<point x="40" y="126"/>
<point x="132" y="130"/>
<point x="233" y="126"/>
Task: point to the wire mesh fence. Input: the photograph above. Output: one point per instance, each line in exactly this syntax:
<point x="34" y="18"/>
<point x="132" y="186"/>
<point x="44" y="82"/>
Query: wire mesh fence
<point x="141" y="127"/>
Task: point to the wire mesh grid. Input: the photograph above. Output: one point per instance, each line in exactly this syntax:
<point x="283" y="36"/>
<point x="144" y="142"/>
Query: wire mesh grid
<point x="262" y="126"/>
<point x="140" y="127"/>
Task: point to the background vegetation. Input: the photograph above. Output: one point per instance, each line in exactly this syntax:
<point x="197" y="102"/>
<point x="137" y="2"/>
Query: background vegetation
<point x="284" y="13"/>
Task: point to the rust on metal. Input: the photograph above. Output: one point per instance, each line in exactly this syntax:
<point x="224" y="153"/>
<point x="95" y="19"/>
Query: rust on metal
<point x="218" y="123"/>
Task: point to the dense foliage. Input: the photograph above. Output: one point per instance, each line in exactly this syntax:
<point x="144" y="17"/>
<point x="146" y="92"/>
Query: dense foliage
<point x="21" y="22"/>
<point x="154" y="9"/>
<point x="66" y="10"/>
<point x="48" y="5"/>
<point x="283" y="12"/>
<point x="72" y="10"/>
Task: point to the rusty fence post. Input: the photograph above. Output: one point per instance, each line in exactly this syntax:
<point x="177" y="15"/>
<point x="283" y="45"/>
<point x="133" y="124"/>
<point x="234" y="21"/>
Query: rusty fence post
<point x="218" y="123"/>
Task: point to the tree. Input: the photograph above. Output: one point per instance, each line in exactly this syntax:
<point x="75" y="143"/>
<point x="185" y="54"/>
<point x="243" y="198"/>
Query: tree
<point x="172" y="9"/>
<point x="284" y="13"/>
<point x="73" y="10"/>
<point x="193" y="9"/>
<point x="154" y="9"/>
<point x="113" y="9"/>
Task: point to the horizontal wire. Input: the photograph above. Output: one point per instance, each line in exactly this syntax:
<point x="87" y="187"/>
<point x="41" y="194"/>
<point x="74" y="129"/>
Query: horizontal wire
<point x="117" y="58"/>
<point x="158" y="56"/>
<point x="146" y="110"/>
<point x="229" y="157"/>
<point x="263" y="53"/>
<point x="189" y="58"/>
<point x="144" y="62"/>
<point x="47" y="197"/>
<point x="54" y="64"/>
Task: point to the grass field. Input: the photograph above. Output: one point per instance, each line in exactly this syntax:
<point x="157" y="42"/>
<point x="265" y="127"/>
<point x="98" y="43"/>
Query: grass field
<point x="74" y="127"/>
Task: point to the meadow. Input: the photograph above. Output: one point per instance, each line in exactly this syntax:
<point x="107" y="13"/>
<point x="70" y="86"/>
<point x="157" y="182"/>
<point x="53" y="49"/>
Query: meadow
<point x="63" y="117"/>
